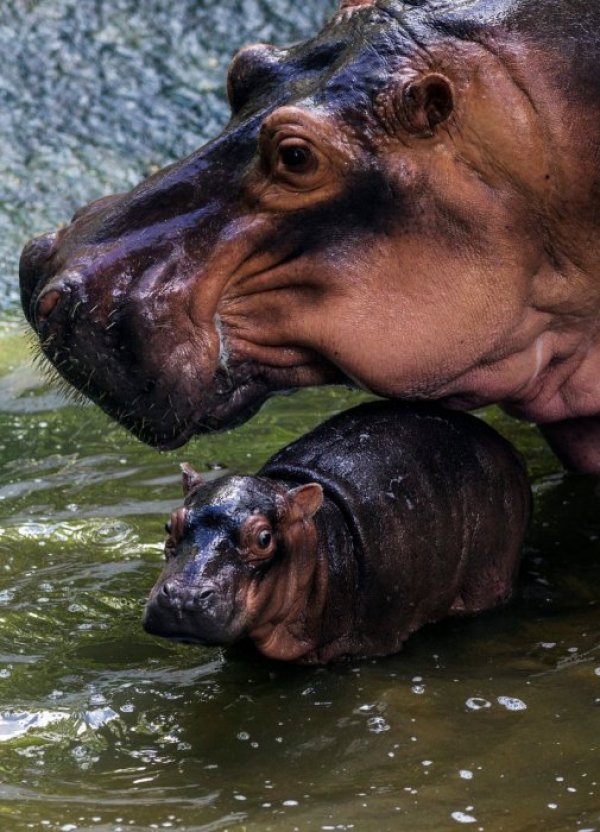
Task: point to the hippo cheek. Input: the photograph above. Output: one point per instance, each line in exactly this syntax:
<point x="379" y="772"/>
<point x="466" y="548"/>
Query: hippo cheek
<point x="204" y="614"/>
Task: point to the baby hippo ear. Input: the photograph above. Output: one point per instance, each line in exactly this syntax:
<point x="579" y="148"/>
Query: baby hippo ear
<point x="190" y="478"/>
<point x="305" y="500"/>
<point x="426" y="102"/>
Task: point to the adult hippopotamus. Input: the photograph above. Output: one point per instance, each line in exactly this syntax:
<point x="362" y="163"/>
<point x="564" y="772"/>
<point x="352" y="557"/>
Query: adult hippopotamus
<point x="409" y="202"/>
<point x="382" y="519"/>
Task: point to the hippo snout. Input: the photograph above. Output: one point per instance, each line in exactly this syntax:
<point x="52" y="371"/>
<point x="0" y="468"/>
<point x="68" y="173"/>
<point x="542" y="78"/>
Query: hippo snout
<point x="179" y="596"/>
<point x="196" y="614"/>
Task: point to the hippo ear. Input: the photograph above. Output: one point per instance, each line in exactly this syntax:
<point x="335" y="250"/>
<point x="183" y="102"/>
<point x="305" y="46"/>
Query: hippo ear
<point x="305" y="500"/>
<point x="190" y="478"/>
<point x="426" y="102"/>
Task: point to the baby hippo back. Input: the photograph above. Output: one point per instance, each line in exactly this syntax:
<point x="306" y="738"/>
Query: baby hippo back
<point x="437" y="504"/>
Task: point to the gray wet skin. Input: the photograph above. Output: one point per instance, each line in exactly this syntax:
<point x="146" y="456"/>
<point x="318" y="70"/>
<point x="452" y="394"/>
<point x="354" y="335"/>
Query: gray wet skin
<point x="382" y="519"/>
<point x="408" y="201"/>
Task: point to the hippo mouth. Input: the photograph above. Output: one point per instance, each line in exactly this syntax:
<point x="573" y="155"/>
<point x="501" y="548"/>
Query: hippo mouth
<point x="160" y="398"/>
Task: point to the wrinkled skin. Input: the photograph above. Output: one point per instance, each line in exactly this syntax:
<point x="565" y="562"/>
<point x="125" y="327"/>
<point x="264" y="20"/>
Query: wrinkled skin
<point x="382" y="519"/>
<point x="408" y="202"/>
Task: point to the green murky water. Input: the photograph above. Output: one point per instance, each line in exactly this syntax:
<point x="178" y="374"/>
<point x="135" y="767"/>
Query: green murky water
<point x="492" y="723"/>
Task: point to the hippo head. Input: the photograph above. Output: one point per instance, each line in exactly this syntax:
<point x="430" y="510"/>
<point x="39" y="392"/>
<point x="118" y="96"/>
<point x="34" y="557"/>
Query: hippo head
<point x="238" y="554"/>
<point x="338" y="230"/>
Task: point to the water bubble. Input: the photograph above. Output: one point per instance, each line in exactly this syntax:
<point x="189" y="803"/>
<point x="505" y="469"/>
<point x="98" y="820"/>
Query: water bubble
<point x="462" y="817"/>
<point x="465" y="774"/>
<point x="377" y="725"/>
<point x="511" y="703"/>
<point x="290" y="803"/>
<point x="477" y="703"/>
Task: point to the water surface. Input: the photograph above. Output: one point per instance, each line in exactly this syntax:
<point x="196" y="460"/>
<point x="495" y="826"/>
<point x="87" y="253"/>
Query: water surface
<point x="491" y="723"/>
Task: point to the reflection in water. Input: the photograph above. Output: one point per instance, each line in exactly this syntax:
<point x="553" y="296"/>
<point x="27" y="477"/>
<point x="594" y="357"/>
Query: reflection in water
<point x="491" y="723"/>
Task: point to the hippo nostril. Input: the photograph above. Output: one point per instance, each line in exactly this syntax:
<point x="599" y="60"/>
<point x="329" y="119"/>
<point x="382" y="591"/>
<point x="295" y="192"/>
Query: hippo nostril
<point x="47" y="303"/>
<point x="34" y="265"/>
<point x="205" y="594"/>
<point x="168" y="589"/>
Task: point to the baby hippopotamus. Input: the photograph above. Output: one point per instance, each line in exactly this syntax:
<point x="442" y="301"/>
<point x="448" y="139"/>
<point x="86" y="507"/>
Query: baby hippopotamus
<point x="382" y="519"/>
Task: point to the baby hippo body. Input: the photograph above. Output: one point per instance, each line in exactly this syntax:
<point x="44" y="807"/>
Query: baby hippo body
<point x="382" y="519"/>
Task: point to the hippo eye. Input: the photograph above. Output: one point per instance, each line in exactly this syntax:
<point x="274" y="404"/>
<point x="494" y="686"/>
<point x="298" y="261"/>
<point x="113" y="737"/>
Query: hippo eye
<point x="257" y="539"/>
<point x="295" y="156"/>
<point x="264" y="539"/>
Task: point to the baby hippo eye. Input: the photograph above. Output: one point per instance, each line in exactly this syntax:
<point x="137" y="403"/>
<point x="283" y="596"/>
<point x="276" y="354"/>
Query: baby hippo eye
<point x="264" y="539"/>
<point x="257" y="538"/>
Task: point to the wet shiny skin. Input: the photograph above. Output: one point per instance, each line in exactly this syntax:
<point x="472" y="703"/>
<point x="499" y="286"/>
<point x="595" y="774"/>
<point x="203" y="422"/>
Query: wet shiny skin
<point x="81" y="514"/>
